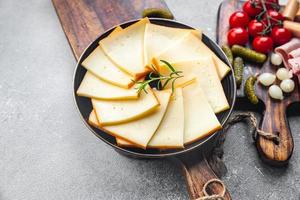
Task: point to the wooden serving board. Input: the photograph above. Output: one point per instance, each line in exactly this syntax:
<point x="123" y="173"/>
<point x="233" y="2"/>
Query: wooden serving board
<point x="84" y="20"/>
<point x="274" y="116"/>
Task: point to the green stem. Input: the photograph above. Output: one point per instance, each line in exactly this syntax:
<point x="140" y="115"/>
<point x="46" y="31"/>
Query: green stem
<point x="263" y="3"/>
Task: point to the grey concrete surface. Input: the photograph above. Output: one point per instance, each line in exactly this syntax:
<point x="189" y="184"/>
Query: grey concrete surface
<point x="47" y="153"/>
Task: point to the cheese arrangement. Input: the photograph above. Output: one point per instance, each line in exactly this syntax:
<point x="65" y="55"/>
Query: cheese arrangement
<point x="94" y="122"/>
<point x="168" y="135"/>
<point x="98" y="64"/>
<point x="200" y="119"/>
<point x="154" y="87"/>
<point x="155" y="35"/>
<point x="116" y="112"/>
<point x="125" y="48"/>
<point x="131" y="131"/>
<point x="101" y="66"/>
<point x="207" y="78"/>
<point x="93" y="87"/>
<point x="190" y="47"/>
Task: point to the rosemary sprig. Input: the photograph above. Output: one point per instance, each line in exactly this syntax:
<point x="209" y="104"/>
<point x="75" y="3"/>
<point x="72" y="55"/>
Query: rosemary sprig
<point x="155" y="76"/>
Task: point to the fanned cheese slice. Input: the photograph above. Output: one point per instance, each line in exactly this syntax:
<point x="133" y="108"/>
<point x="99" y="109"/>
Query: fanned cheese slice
<point x="197" y="33"/>
<point x="102" y="67"/>
<point x="158" y="38"/>
<point x="124" y="143"/>
<point x="183" y="83"/>
<point x="93" y="121"/>
<point x="188" y="48"/>
<point x="93" y="87"/>
<point x="126" y="48"/>
<point x="140" y="132"/>
<point x="117" y="112"/>
<point x="116" y="30"/>
<point x="170" y="131"/>
<point x="199" y="118"/>
<point x="221" y="67"/>
<point x="207" y="77"/>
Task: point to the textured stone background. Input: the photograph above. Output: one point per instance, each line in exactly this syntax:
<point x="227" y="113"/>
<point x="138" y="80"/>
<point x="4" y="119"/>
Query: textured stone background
<point x="47" y="153"/>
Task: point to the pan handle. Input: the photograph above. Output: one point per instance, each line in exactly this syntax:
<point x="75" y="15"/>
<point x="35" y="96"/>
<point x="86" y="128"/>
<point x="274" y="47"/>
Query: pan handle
<point x="275" y="121"/>
<point x="197" y="173"/>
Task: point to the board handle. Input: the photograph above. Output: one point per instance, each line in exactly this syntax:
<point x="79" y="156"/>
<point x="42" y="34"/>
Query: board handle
<point x="275" y="121"/>
<point x="197" y="173"/>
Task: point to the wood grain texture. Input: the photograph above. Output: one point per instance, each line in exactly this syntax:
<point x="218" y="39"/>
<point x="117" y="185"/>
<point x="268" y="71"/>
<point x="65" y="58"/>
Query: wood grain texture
<point x="84" y="20"/>
<point x="275" y="121"/>
<point x="274" y="117"/>
<point x="197" y="173"/>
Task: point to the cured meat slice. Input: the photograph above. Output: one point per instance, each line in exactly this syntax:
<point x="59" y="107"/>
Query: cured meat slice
<point x="285" y="49"/>
<point x="295" y="53"/>
<point x="294" y="65"/>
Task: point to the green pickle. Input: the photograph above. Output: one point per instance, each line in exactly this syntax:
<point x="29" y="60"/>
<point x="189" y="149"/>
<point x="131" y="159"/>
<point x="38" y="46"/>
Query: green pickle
<point x="250" y="91"/>
<point x="248" y="54"/>
<point x="238" y="68"/>
<point x="228" y="53"/>
<point x="158" y="13"/>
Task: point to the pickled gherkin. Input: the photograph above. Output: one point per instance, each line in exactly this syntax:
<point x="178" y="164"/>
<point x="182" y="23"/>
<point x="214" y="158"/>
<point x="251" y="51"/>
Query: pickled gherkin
<point x="238" y="68"/>
<point x="248" y="54"/>
<point x="157" y="13"/>
<point x="250" y="91"/>
<point x="228" y="53"/>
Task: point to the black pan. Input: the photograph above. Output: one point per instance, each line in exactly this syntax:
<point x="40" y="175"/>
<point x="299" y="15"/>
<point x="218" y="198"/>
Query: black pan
<point x="84" y="104"/>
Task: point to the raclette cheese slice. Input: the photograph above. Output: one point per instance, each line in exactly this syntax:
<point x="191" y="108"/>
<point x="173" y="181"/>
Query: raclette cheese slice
<point x="117" y="112"/>
<point x="102" y="67"/>
<point x="199" y="118"/>
<point x="116" y="30"/>
<point x="93" y="121"/>
<point x="188" y="48"/>
<point x="158" y="38"/>
<point x="139" y="132"/>
<point x="188" y="80"/>
<point x="207" y="78"/>
<point x="126" y="48"/>
<point x="124" y="143"/>
<point x="93" y="87"/>
<point x="170" y="132"/>
<point x="221" y="67"/>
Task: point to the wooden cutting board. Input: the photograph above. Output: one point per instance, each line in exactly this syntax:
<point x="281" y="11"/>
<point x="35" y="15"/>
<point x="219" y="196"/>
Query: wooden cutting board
<point x="274" y="116"/>
<point x="84" y="20"/>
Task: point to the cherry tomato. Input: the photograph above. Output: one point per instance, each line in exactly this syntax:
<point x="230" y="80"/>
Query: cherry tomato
<point x="237" y="36"/>
<point x="238" y="19"/>
<point x="281" y="36"/>
<point x="276" y="18"/>
<point x="252" y="8"/>
<point x="255" y="28"/>
<point x="262" y="44"/>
